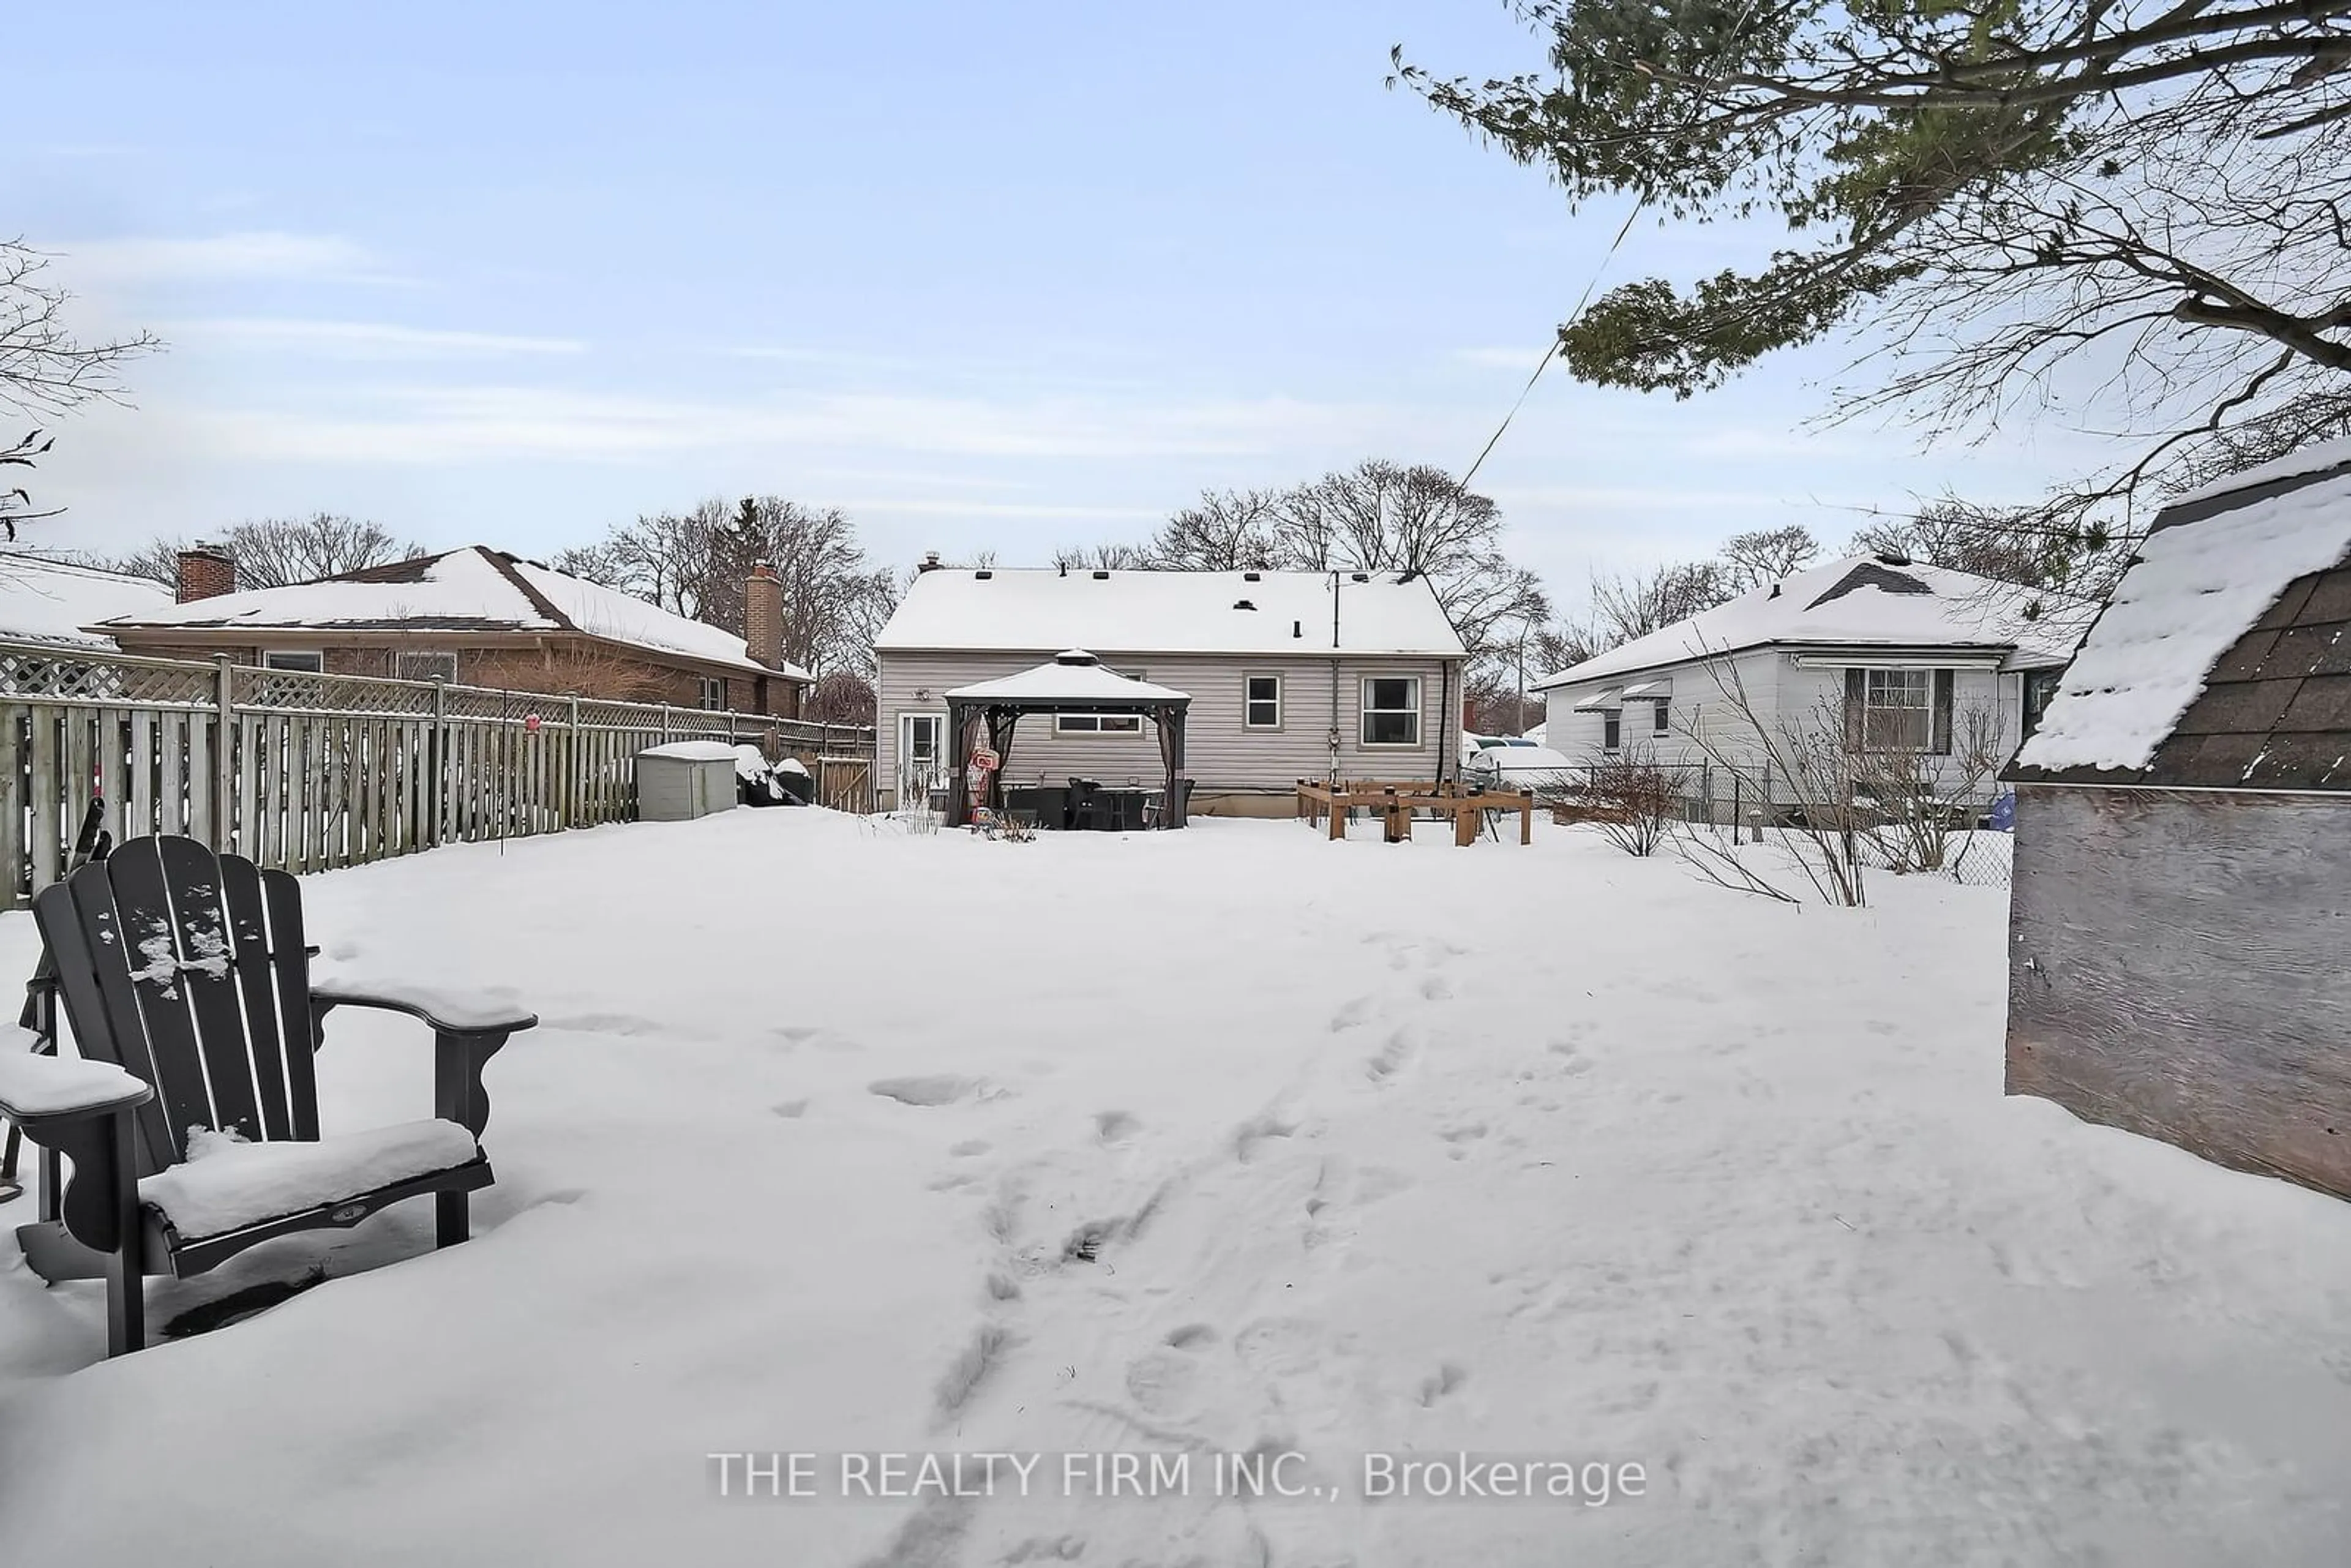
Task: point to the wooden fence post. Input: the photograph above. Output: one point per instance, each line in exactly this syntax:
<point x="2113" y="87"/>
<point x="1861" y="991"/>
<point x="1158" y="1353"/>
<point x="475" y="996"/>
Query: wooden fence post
<point x="222" y="826"/>
<point x="573" y="785"/>
<point x="436" y="763"/>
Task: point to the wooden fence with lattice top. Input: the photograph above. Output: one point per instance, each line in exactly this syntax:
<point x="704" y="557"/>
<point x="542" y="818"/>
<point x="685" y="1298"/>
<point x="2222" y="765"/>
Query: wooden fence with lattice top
<point x="309" y="771"/>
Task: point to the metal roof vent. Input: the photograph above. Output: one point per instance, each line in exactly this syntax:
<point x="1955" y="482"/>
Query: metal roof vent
<point x="1102" y="577"/>
<point x="1243" y="604"/>
<point x="1252" y="577"/>
<point x="983" y="574"/>
<point x="1361" y="576"/>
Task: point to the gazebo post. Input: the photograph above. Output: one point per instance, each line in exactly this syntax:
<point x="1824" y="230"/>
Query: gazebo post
<point x="959" y="717"/>
<point x="1178" y="808"/>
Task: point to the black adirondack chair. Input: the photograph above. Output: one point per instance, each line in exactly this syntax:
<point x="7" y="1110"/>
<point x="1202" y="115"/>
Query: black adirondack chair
<point x="190" y="971"/>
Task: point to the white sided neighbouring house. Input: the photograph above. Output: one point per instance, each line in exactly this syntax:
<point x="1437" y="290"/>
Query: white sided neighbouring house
<point x="1892" y="655"/>
<point x="1292" y="674"/>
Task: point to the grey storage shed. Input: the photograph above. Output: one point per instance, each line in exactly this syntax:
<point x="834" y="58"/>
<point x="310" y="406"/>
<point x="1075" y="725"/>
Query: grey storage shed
<point x="2183" y="839"/>
<point x="683" y="780"/>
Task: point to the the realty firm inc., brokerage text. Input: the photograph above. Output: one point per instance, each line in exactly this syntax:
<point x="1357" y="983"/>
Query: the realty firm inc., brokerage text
<point x="1278" y="1474"/>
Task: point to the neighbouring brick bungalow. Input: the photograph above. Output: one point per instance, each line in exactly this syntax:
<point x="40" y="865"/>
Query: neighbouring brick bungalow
<point x="477" y="617"/>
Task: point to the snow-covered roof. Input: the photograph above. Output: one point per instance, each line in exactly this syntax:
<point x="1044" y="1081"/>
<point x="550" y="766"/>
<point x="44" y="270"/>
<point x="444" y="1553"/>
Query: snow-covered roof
<point x="1861" y="601"/>
<point x="1075" y="677"/>
<point x="43" y="600"/>
<point x="2316" y="458"/>
<point x="472" y="589"/>
<point x="1169" y="613"/>
<point x="2202" y="584"/>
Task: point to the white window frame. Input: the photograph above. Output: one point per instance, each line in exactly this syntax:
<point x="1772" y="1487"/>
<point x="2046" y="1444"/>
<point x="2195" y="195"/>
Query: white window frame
<point x="932" y="776"/>
<point x="1365" y="710"/>
<point x="1248" y="702"/>
<point x="400" y="657"/>
<point x="1882" y="681"/>
<point x="1091" y="725"/>
<point x="269" y="657"/>
<point x="714" y="685"/>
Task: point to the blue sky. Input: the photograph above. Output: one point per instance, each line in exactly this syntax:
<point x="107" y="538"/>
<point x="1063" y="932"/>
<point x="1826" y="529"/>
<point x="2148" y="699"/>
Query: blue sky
<point x="985" y="277"/>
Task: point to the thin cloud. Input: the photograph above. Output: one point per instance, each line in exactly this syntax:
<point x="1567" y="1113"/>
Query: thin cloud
<point x="373" y="339"/>
<point x="438" y="424"/>
<point x="230" y="257"/>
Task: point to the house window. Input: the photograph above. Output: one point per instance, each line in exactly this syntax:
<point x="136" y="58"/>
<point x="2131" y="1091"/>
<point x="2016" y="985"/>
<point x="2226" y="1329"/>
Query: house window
<point x="424" y="666"/>
<point x="1261" y="705"/>
<point x="308" y="662"/>
<point x="1611" y="729"/>
<point x="1663" y="721"/>
<point x="1097" y="724"/>
<point x="2040" y="686"/>
<point x="1897" y="710"/>
<point x="713" y="694"/>
<point x="1392" y="710"/>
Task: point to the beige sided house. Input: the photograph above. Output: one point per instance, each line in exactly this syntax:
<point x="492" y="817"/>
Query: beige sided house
<point x="1292" y="674"/>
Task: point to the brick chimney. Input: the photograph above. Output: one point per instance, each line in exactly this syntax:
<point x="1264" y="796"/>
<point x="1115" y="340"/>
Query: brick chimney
<point x="206" y="572"/>
<point x="763" y="615"/>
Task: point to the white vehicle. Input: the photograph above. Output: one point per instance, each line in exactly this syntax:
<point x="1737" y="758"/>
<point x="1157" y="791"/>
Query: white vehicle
<point x="1517" y="766"/>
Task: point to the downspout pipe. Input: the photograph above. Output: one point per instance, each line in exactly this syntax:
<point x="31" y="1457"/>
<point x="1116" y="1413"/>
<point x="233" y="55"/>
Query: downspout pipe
<point x="1333" y="779"/>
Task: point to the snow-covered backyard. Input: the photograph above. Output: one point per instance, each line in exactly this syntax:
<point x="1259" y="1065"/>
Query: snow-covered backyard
<point x="837" y="1139"/>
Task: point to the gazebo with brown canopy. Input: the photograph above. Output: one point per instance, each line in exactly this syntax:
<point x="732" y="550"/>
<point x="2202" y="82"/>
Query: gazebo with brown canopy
<point x="1075" y="682"/>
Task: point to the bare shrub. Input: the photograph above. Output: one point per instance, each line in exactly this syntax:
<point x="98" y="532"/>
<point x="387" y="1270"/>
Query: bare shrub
<point x="1632" y="800"/>
<point x="1805" y="758"/>
<point x="1918" y="801"/>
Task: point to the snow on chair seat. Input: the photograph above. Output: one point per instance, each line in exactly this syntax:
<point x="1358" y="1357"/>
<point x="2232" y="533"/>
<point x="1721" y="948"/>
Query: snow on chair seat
<point x="229" y="1184"/>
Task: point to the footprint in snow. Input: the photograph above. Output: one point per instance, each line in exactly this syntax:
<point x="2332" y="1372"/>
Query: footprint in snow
<point x="938" y="1089"/>
<point x="1440" y="1383"/>
<point x="1114" y="1126"/>
<point x="790" y="1110"/>
<point x="1255" y="1131"/>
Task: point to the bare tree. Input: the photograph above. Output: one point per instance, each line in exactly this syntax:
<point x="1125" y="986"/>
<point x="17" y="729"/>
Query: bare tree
<point x="1627" y="606"/>
<point x="16" y="504"/>
<point x="694" y="563"/>
<point x="1103" y="558"/>
<point x="1226" y="530"/>
<point x="271" y="552"/>
<point x="843" y="696"/>
<point x="2020" y="545"/>
<point x="1762" y="556"/>
<point x="44" y="367"/>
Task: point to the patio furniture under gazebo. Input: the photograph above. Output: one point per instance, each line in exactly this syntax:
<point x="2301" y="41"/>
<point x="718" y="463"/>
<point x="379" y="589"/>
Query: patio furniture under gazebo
<point x="1075" y="682"/>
